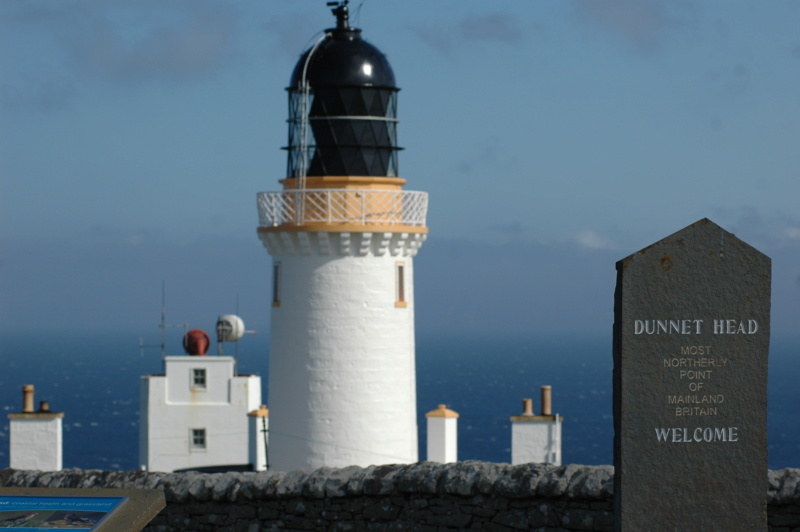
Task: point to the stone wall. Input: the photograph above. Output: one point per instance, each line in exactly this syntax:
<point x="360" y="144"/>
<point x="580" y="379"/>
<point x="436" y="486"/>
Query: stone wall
<point x="424" y="496"/>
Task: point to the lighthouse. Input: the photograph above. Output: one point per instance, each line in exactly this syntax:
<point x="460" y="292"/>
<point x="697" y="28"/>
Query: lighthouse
<point x="342" y="234"/>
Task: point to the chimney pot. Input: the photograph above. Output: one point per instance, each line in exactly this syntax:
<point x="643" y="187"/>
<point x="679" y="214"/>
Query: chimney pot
<point x="27" y="398"/>
<point x="547" y="400"/>
<point x="527" y="407"/>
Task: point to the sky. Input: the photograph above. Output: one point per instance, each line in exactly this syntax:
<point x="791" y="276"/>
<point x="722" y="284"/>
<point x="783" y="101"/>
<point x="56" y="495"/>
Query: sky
<point x="554" y="137"/>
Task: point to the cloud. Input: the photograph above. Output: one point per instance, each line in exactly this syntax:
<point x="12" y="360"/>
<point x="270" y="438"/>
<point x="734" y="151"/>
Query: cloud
<point x="510" y="229"/>
<point x="193" y="47"/>
<point x="464" y="167"/>
<point x="294" y="32"/>
<point x="728" y="80"/>
<point x="592" y="240"/>
<point x="498" y="28"/>
<point x="133" y="42"/>
<point x="773" y="229"/>
<point x="792" y="233"/>
<point x="48" y="94"/>
<point x="111" y="280"/>
<point x="494" y="27"/>
<point x="512" y="285"/>
<point x="640" y="22"/>
<point x="437" y="38"/>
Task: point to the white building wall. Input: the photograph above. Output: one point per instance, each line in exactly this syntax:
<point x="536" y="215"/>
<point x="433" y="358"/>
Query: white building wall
<point x="537" y="441"/>
<point x="35" y="442"/>
<point x="342" y="388"/>
<point x="259" y="440"/>
<point x="181" y="389"/>
<point x="174" y="406"/>
<point x="149" y="384"/>
<point x="442" y="439"/>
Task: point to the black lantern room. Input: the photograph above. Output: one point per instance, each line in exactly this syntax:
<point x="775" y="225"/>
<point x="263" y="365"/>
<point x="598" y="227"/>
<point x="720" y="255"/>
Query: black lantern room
<point x="342" y="107"/>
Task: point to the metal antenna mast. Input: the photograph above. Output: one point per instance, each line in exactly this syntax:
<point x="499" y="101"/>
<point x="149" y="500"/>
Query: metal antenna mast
<point x="163" y="326"/>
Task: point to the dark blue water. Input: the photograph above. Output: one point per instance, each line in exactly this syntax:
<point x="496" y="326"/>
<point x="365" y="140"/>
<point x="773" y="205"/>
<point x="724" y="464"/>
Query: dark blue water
<point x="95" y="381"/>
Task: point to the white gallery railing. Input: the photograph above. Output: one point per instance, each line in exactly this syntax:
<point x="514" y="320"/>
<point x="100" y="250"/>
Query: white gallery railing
<point x="348" y="206"/>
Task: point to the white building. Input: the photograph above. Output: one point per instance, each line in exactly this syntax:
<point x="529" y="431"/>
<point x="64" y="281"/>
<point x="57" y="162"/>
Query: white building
<point x="35" y="437"/>
<point x="196" y="415"/>
<point x="536" y="438"/>
<point x="342" y="234"/>
<point x="442" y="435"/>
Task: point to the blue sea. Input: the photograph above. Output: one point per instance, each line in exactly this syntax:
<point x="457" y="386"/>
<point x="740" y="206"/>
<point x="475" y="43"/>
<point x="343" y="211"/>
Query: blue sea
<point x="95" y="378"/>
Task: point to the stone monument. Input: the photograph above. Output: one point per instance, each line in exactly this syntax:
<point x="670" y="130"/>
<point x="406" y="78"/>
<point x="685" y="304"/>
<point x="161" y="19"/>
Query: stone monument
<point x="691" y="342"/>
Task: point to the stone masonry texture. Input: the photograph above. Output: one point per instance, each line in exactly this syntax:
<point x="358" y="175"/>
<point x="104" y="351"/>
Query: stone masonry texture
<point x="424" y="496"/>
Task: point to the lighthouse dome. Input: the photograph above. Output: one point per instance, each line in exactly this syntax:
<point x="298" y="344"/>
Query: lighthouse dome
<point x="344" y="59"/>
<point x="342" y="108"/>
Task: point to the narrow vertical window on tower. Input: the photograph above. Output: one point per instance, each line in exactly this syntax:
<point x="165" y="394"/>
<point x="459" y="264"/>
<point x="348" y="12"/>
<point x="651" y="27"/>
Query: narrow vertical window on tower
<point x="400" y="285"/>
<point x="276" y="284"/>
<point x="198" y="439"/>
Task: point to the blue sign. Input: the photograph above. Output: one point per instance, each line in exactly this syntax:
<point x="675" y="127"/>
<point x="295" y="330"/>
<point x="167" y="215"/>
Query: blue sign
<point x="23" y="512"/>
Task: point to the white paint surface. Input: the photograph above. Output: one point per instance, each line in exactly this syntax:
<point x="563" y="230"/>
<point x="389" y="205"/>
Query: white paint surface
<point x="35" y="442"/>
<point x="536" y="441"/>
<point x="171" y="407"/>
<point x="258" y="449"/>
<point x="342" y="384"/>
<point x="443" y="439"/>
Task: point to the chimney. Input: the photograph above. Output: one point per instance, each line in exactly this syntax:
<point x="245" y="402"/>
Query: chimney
<point x="27" y="398"/>
<point x="547" y="400"/>
<point x="527" y="407"/>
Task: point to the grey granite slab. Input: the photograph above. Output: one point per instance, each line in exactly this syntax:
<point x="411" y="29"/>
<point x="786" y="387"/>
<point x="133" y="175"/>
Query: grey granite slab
<point x="691" y="342"/>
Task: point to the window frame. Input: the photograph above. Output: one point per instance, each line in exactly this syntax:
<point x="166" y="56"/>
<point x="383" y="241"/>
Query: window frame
<point x="196" y="383"/>
<point x="400" y="300"/>
<point x="198" y="439"/>
<point x="276" y="283"/>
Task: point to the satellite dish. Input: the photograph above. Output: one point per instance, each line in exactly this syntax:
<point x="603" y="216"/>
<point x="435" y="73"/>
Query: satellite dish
<point x="230" y="328"/>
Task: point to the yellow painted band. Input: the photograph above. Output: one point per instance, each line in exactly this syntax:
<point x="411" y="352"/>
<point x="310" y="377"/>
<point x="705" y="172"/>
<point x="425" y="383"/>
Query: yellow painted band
<point x="344" y="228"/>
<point x="346" y="182"/>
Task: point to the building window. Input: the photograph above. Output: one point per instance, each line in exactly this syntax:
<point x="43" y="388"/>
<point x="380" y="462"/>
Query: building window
<point x="400" y="285"/>
<point x="198" y="441"/>
<point x="276" y="284"/>
<point x="199" y="378"/>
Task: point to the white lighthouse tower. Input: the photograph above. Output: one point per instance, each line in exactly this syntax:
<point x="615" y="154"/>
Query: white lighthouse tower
<point x="342" y="234"/>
